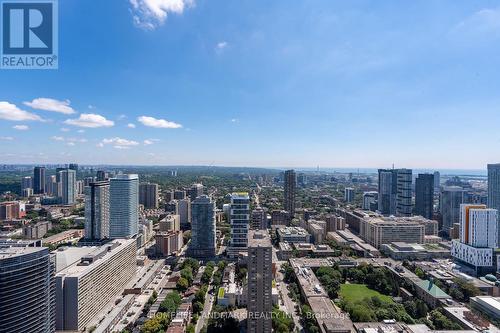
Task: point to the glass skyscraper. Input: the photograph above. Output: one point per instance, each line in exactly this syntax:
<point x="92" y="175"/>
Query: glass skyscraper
<point x="123" y="206"/>
<point x="203" y="227"/>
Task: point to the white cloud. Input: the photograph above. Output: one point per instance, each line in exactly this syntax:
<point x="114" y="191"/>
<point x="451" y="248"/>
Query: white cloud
<point x="149" y="14"/>
<point x="10" y="111"/>
<point x="220" y="46"/>
<point x="70" y="144"/>
<point x="81" y="140"/>
<point x="21" y="127"/>
<point x="81" y="131"/>
<point x="90" y="120"/>
<point x="57" y="138"/>
<point x="157" y="123"/>
<point x="64" y="129"/>
<point x="484" y="22"/>
<point x="49" y="104"/>
<point x="6" y="138"/>
<point x="118" y="143"/>
<point x="131" y="125"/>
<point x="234" y="120"/>
<point x="148" y="142"/>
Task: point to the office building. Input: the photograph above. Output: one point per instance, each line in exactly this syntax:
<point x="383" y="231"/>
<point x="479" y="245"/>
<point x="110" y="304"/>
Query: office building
<point x="494" y="186"/>
<point x="203" y="230"/>
<point x="183" y="209"/>
<point x="451" y="199"/>
<point x="376" y="229"/>
<point x="123" y="206"/>
<point x="239" y="220"/>
<point x="27" y="192"/>
<point x="97" y="210"/>
<point x="348" y="194"/>
<point x="437" y="181"/>
<point x="179" y="194"/>
<point x="259" y="219"/>
<point x="395" y="192"/>
<point x="73" y="166"/>
<point x="68" y="186"/>
<point x="302" y="179"/>
<point x="289" y="191"/>
<point x="52" y="187"/>
<point x="404" y="206"/>
<point x="478" y="238"/>
<point x="101" y="175"/>
<point x="424" y="195"/>
<point x="39" y="180"/>
<point x="370" y="200"/>
<point x="260" y="279"/>
<point x="27" y="290"/>
<point x="387" y="190"/>
<point x="195" y="191"/>
<point x="148" y="195"/>
<point x="85" y="287"/>
<point x="26" y="182"/>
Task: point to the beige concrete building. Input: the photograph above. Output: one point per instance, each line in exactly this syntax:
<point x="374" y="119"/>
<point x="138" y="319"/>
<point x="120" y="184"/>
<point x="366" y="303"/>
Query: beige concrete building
<point x="170" y="223"/>
<point x="84" y="288"/>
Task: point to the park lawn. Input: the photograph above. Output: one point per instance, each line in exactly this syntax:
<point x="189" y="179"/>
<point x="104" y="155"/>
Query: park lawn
<point x="357" y="292"/>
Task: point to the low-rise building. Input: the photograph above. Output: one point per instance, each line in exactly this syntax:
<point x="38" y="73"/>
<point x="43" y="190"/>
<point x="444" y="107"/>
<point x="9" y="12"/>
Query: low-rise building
<point x="37" y="230"/>
<point x="487" y="305"/>
<point x="64" y="237"/>
<point x="293" y="235"/>
<point x="407" y="251"/>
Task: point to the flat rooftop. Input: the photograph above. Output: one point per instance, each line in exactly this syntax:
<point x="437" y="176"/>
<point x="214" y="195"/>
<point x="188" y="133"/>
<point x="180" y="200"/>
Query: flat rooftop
<point x="98" y="255"/>
<point x="12" y="252"/>
<point x="259" y="238"/>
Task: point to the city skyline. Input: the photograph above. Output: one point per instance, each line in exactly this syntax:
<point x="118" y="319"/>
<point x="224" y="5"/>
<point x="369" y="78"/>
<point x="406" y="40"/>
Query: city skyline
<point x="344" y="76"/>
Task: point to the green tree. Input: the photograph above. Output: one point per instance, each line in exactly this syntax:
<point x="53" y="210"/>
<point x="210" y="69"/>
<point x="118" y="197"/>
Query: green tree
<point x="182" y="284"/>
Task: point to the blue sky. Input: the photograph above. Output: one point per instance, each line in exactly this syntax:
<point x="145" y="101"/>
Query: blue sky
<point x="262" y="83"/>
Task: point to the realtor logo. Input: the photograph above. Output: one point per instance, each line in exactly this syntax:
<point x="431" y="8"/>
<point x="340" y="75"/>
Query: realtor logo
<point x="29" y="34"/>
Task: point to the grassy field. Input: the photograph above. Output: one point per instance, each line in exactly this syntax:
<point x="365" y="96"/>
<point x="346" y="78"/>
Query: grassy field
<point x="357" y="292"/>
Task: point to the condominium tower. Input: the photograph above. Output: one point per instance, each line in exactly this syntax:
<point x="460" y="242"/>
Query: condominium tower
<point x="123" y="206"/>
<point x="424" y="195"/>
<point x="39" y="180"/>
<point x="203" y="238"/>
<point x="97" y="210"/>
<point x="68" y="186"/>
<point x="395" y="192"/>
<point x="494" y="186"/>
<point x="27" y="290"/>
<point x="240" y="219"/>
<point x="259" y="297"/>
<point x="451" y="199"/>
<point x="289" y="191"/>
<point x="148" y="195"/>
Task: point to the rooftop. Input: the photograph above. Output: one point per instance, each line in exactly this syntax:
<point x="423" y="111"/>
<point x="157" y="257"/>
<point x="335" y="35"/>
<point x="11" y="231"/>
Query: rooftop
<point x="95" y="257"/>
<point x="432" y="289"/>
